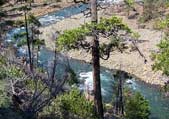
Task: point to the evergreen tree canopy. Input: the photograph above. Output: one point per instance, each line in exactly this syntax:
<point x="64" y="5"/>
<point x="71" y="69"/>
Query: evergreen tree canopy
<point x="106" y="27"/>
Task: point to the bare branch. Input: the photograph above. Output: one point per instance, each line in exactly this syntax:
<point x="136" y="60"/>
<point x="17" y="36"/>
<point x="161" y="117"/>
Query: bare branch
<point x="105" y="58"/>
<point x="140" y="53"/>
<point x="81" y="1"/>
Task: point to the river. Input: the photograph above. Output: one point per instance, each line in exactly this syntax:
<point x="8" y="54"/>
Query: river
<point x="159" y="105"/>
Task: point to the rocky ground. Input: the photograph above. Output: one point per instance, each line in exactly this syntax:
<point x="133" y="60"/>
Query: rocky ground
<point x="39" y="7"/>
<point x="130" y="62"/>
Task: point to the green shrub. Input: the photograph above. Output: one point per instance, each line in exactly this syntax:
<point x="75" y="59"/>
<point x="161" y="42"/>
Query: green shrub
<point x="3" y="73"/>
<point x="71" y="105"/>
<point x="4" y="99"/>
<point x="137" y="107"/>
<point x="161" y="58"/>
<point x="157" y="24"/>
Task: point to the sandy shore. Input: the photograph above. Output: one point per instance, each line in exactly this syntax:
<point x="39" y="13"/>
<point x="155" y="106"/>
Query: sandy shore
<point x="130" y="62"/>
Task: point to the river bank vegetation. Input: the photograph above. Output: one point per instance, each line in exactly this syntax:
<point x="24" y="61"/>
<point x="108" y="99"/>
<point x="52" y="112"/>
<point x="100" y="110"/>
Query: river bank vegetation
<point x="39" y="85"/>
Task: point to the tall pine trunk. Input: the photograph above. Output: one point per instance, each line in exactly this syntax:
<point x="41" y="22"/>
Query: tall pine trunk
<point x="28" y="43"/>
<point x="96" y="64"/>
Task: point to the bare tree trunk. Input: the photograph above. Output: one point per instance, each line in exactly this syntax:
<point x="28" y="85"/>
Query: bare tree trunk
<point x="121" y="94"/>
<point x="119" y="105"/>
<point x="28" y="43"/>
<point x="37" y="54"/>
<point x="32" y="44"/>
<point x="96" y="64"/>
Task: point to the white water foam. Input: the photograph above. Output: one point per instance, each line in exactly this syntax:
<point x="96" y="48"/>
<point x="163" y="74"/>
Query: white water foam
<point x="22" y="50"/>
<point x="87" y="77"/>
<point x="47" y="19"/>
<point x="131" y="83"/>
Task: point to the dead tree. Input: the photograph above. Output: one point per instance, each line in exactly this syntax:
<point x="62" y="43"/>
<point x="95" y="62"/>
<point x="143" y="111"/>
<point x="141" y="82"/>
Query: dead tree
<point x="30" y="102"/>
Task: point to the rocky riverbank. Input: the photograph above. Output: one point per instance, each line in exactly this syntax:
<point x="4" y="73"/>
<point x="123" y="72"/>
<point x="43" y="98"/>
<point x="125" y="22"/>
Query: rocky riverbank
<point x="38" y="8"/>
<point x="130" y="62"/>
